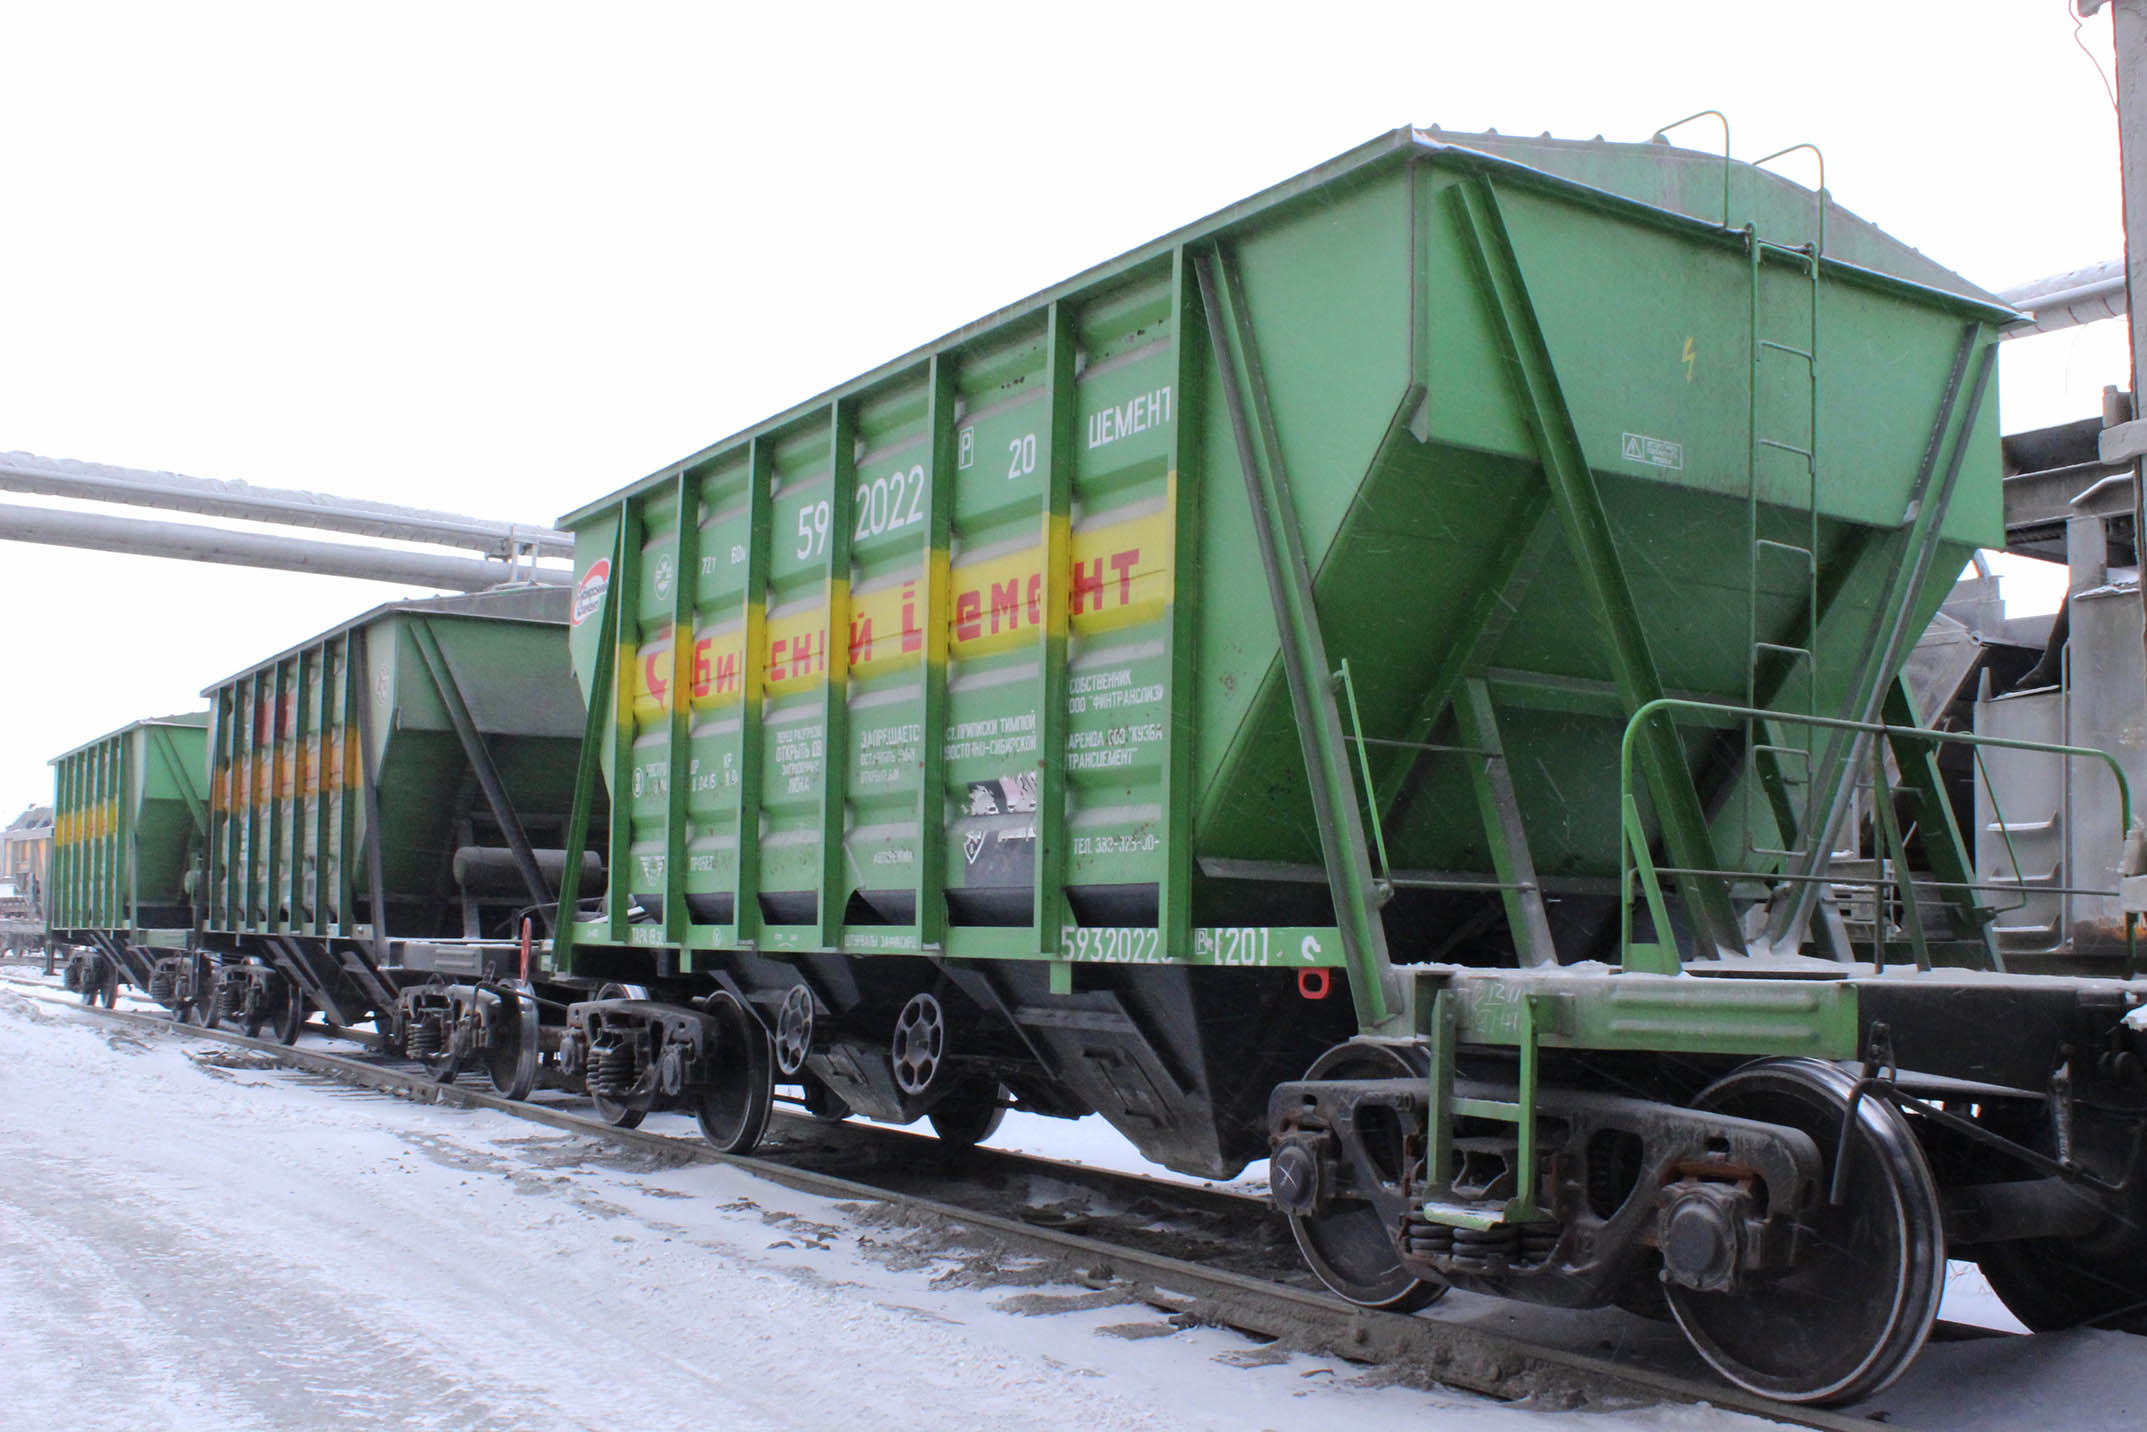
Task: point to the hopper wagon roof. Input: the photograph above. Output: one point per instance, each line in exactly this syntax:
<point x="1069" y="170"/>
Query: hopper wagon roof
<point x="547" y="605"/>
<point x="1655" y="181"/>
<point x="186" y="718"/>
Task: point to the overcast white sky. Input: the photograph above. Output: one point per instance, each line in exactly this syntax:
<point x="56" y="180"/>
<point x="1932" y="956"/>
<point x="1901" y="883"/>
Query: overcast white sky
<point x="505" y="258"/>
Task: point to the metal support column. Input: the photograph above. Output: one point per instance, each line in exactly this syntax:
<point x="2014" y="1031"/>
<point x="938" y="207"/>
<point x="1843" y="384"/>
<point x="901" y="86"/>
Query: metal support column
<point x="2127" y="442"/>
<point x="834" y="876"/>
<point x="1475" y="210"/>
<point x="1504" y="830"/>
<point x="930" y="911"/>
<point x="678" y="782"/>
<point x="1048" y="899"/>
<point x="588" y="772"/>
<point x="361" y="700"/>
<point x="482" y="767"/>
<point x="1174" y="895"/>
<point x="1335" y="807"/>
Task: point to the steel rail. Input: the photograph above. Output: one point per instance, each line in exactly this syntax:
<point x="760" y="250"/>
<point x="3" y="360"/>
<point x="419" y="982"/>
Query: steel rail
<point x="1471" y="1359"/>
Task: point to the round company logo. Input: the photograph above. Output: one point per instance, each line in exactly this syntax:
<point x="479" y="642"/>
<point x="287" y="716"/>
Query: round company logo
<point x="589" y="592"/>
<point x="664" y="573"/>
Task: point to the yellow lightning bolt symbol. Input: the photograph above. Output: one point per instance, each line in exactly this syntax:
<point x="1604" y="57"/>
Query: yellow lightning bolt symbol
<point x="1688" y="360"/>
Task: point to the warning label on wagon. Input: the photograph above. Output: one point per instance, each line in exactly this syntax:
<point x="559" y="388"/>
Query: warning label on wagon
<point x="1655" y="452"/>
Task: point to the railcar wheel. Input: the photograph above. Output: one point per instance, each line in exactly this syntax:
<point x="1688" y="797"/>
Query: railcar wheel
<point x="279" y="1018"/>
<point x="2099" y="1277"/>
<point x="821" y="1101"/>
<point x="443" y="1064"/>
<point x="201" y="1009"/>
<point x="1857" y="1306"/>
<point x="733" y="1109"/>
<point x="100" y="981"/>
<point x="2056" y="1283"/>
<point x="969" y="1115"/>
<point x="617" y="1114"/>
<point x="1348" y="1243"/>
<point x="291" y="1016"/>
<point x="511" y="1057"/>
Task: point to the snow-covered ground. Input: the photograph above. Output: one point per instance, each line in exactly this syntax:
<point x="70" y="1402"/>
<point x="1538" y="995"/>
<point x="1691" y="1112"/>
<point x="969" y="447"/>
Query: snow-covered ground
<point x="189" y="1241"/>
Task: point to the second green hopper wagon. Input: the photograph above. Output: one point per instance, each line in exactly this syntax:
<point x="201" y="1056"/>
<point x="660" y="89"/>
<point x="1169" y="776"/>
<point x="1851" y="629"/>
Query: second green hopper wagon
<point x="388" y="805"/>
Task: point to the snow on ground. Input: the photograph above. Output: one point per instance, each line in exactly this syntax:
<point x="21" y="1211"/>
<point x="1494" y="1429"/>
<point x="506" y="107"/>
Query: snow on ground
<point x="189" y="1241"/>
<point x="2058" y="1382"/>
<point x="130" y="1172"/>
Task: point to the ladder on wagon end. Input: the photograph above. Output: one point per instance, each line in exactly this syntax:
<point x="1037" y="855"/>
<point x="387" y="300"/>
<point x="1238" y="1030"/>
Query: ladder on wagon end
<point x="1781" y="667"/>
<point x="1800" y="769"/>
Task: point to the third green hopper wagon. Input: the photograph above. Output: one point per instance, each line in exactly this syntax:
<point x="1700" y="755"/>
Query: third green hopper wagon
<point x="130" y="834"/>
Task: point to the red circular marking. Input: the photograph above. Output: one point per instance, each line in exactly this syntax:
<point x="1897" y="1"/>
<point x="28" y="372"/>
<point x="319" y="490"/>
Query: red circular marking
<point x="1315" y="983"/>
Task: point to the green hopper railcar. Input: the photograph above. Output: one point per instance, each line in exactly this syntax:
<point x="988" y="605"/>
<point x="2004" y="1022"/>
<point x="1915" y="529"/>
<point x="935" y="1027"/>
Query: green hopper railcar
<point x="387" y="802"/>
<point x="130" y="826"/>
<point x="1379" y="679"/>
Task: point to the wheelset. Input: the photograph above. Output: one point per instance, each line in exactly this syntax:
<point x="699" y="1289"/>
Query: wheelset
<point x="1348" y="1242"/>
<point x="1858" y="1302"/>
<point x="733" y="1106"/>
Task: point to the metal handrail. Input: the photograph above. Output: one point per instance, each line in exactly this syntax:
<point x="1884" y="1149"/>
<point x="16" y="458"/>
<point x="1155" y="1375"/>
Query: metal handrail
<point x="1635" y="861"/>
<point x="1348" y="683"/>
<point x="1663" y="134"/>
<point x="1818" y="238"/>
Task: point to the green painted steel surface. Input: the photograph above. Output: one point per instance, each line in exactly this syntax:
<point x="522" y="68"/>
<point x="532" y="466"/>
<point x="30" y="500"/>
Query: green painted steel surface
<point x="130" y="815"/>
<point x="295" y="741"/>
<point x="1503" y="419"/>
<point x="1670" y="1013"/>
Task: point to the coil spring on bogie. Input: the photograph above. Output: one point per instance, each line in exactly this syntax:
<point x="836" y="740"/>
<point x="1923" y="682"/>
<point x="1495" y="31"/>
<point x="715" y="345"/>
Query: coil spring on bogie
<point x="1539" y="1241"/>
<point x="1426" y="1239"/>
<point x="1481" y="1249"/>
<point x="424" y="1039"/>
<point x="611" y="1069"/>
<point x="163" y="982"/>
<point x="230" y="998"/>
<point x="1485" y="1248"/>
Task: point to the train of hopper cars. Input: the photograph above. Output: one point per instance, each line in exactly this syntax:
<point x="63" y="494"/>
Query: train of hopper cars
<point x="1414" y="677"/>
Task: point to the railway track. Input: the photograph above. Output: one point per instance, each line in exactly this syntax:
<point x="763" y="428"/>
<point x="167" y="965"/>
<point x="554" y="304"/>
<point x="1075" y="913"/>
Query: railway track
<point x="1202" y="1255"/>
